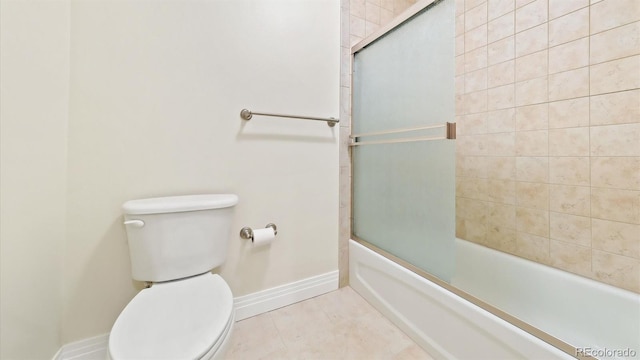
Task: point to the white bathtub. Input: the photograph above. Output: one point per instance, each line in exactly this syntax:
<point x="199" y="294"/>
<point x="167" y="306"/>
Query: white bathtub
<point x="582" y="313"/>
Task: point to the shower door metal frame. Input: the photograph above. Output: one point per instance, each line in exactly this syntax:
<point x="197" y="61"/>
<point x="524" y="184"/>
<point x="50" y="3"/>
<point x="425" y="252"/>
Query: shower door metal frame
<point x="538" y="333"/>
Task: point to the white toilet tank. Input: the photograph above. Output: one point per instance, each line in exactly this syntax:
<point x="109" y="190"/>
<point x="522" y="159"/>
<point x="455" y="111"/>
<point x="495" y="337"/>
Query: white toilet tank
<point x="180" y="236"/>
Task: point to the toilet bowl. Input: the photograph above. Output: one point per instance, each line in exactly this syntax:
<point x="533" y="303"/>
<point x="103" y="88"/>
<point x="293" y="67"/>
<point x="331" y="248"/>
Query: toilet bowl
<point x="184" y="319"/>
<point x="187" y="312"/>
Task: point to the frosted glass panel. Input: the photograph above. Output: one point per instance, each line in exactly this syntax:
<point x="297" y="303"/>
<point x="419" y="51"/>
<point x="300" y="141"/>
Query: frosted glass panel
<point x="404" y="193"/>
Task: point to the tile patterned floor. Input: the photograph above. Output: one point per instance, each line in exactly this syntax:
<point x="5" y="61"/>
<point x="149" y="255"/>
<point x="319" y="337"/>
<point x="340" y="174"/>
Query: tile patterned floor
<point x="338" y="325"/>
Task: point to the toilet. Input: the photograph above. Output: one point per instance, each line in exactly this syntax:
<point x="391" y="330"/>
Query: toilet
<point x="187" y="312"/>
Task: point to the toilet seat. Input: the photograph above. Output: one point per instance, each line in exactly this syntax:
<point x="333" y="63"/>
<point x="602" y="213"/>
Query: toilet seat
<point x="184" y="319"/>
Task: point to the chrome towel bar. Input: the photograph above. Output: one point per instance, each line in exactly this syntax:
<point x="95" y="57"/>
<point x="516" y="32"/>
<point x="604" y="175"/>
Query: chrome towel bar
<point x="248" y="114"/>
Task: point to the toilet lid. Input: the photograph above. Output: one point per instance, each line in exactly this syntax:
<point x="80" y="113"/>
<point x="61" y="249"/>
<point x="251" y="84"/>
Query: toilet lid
<point x="174" y="320"/>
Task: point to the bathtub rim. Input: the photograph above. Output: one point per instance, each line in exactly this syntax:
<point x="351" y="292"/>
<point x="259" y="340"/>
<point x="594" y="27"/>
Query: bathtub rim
<point x="534" y="331"/>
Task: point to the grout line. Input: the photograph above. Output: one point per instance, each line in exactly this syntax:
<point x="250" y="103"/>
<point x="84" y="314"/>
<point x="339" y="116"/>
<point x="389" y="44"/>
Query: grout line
<point x="551" y="101"/>
<point x="555" y="156"/>
<point x="590" y="157"/>
<point x="570" y="12"/>
<point x="548" y="144"/>
<point x="477" y="6"/>
<point x="612" y="60"/>
<point x="611" y="92"/>
<point x="609" y="29"/>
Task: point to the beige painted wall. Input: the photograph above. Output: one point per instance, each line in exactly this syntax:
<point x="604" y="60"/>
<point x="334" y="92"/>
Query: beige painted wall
<point x="154" y="93"/>
<point x="34" y="95"/>
<point x="548" y="99"/>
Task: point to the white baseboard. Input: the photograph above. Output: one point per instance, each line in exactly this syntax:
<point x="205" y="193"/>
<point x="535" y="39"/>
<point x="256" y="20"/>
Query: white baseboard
<point x="280" y="296"/>
<point x="93" y="348"/>
<point x="246" y="306"/>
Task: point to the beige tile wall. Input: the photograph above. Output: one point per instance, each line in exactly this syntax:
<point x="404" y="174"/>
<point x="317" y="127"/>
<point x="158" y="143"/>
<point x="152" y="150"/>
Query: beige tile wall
<point x="548" y="150"/>
<point x="359" y="18"/>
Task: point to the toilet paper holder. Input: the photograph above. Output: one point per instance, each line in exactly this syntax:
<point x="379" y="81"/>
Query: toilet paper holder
<point x="247" y="232"/>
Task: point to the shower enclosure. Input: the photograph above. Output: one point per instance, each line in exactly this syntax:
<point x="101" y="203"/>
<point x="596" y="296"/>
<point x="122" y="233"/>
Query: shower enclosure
<point x="456" y="298"/>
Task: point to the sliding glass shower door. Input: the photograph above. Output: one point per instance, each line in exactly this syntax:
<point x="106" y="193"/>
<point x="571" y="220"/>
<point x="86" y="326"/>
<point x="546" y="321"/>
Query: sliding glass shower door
<point x="404" y="181"/>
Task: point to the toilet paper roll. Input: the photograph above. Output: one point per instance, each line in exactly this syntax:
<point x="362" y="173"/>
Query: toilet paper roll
<point x="262" y="237"/>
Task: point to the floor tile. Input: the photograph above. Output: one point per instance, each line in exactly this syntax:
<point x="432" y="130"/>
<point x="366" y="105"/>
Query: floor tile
<point x="338" y="325"/>
<point x="255" y="338"/>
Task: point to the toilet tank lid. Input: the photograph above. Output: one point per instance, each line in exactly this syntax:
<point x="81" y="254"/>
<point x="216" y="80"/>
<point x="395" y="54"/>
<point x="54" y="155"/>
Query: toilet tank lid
<point x="173" y="204"/>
